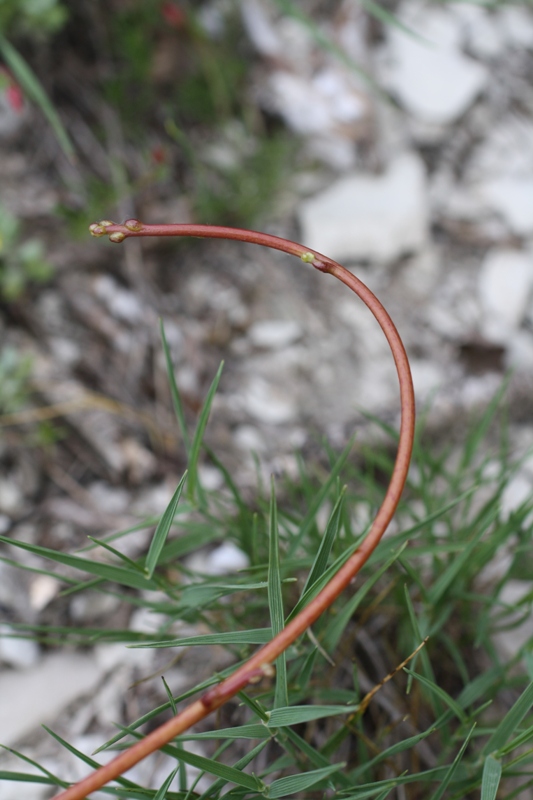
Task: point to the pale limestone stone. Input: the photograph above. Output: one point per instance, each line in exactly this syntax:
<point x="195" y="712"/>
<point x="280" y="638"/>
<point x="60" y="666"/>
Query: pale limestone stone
<point x="375" y="217"/>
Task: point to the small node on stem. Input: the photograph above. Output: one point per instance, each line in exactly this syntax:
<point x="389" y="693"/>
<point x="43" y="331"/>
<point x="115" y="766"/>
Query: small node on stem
<point x="133" y="225"/>
<point x="117" y="237"/>
<point x="308" y="258"/>
<point x="264" y="671"/>
<point x="105" y="223"/>
<point x="96" y="229"/>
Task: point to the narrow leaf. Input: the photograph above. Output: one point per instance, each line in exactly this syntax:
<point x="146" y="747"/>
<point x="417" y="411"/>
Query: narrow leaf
<point x="511" y="721"/>
<point x="161" y="532"/>
<point x="453" y="767"/>
<point x="174" y="391"/>
<point x="170" y="696"/>
<point x="298" y="783"/>
<point x="33" y="88"/>
<point x="440" y="693"/>
<point x="193" y="485"/>
<point x="321" y="561"/>
<point x="230" y="774"/>
<point x="241" y="764"/>
<point x="492" y="772"/>
<point x="339" y="623"/>
<point x="162" y="792"/>
<point x="122" y="575"/>
<point x="275" y="600"/>
<point x="241" y="732"/>
<point x="292" y="715"/>
<point x="310" y="517"/>
<point x="252" y="636"/>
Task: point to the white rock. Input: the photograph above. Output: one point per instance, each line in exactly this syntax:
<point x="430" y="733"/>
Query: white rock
<point x="66" y="351"/>
<point x="505" y="151"/>
<point x="319" y="105"/>
<point x="109" y="499"/>
<point x="505" y="283"/>
<point x="433" y="80"/>
<point x="210" y="477"/>
<point x="517" y="24"/>
<point x="248" y="438"/>
<point x="43" y="589"/>
<point x="273" y="334"/>
<point x="11" y="498"/>
<point x="122" y="303"/>
<point x="427" y="376"/>
<point x="266" y="403"/>
<point x="519" y="352"/>
<point x="88" y="606"/>
<point x="39" y="693"/>
<point x="370" y="217"/>
<point x="20" y="653"/>
<point x="226" y="559"/>
<point x="509" y="642"/>
<point x="516" y="492"/>
<point x="484" y="32"/>
<point x="512" y="197"/>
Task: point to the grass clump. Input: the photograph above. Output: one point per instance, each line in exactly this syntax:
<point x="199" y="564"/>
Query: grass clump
<point x="398" y="690"/>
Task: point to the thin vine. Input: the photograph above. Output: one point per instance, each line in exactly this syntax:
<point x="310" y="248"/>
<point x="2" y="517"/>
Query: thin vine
<point x="261" y="663"/>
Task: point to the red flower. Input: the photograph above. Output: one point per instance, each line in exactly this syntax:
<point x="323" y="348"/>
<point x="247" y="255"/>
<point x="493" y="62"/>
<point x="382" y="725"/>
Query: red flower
<point x="15" y="98"/>
<point x="158" y="154"/>
<point x="173" y="15"/>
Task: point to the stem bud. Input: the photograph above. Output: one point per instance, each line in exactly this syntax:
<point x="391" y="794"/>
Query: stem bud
<point x="133" y="225"/>
<point x="96" y="229"/>
<point x="117" y="237"/>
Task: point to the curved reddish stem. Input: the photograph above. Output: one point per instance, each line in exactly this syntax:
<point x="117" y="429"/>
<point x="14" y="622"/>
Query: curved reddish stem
<point x="260" y="663"/>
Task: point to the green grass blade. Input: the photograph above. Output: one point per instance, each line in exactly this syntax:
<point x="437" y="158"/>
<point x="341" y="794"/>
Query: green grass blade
<point x="456" y="566"/>
<point x="321" y="561"/>
<point x="479" y="432"/>
<point x="161" y="532"/>
<point x="251" y="731"/>
<point x="174" y="391"/>
<point x="101" y="543"/>
<point x="86" y="759"/>
<point x="323" y="492"/>
<point x="275" y="600"/>
<point x="492" y="772"/>
<point x="241" y="764"/>
<point x="390" y="752"/>
<point x="510" y="722"/>
<point x="33" y="88"/>
<point x="108" y="572"/>
<point x="229" y="774"/>
<point x="292" y="715"/>
<point x="171" y="700"/>
<point x="439" y="692"/>
<point x="298" y="783"/>
<point x="50" y="775"/>
<point x="194" y="454"/>
<point x="314" y="588"/>
<point x="252" y="636"/>
<point x="23" y="777"/>
<point x="339" y="623"/>
<point x="165" y="786"/>
<point x="453" y="767"/>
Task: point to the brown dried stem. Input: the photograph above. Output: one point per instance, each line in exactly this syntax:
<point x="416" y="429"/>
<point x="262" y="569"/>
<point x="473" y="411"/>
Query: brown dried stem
<point x="260" y="664"/>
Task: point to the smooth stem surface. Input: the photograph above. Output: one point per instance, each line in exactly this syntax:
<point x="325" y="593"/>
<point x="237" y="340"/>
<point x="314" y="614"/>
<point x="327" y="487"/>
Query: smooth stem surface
<point x="260" y="664"/>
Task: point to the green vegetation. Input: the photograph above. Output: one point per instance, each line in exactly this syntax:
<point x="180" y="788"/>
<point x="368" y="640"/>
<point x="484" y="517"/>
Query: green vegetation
<point x="443" y="729"/>
<point x="21" y="260"/>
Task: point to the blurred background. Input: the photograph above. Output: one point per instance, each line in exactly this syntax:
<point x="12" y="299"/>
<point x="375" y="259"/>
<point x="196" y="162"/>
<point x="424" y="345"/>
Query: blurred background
<point x="395" y="137"/>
